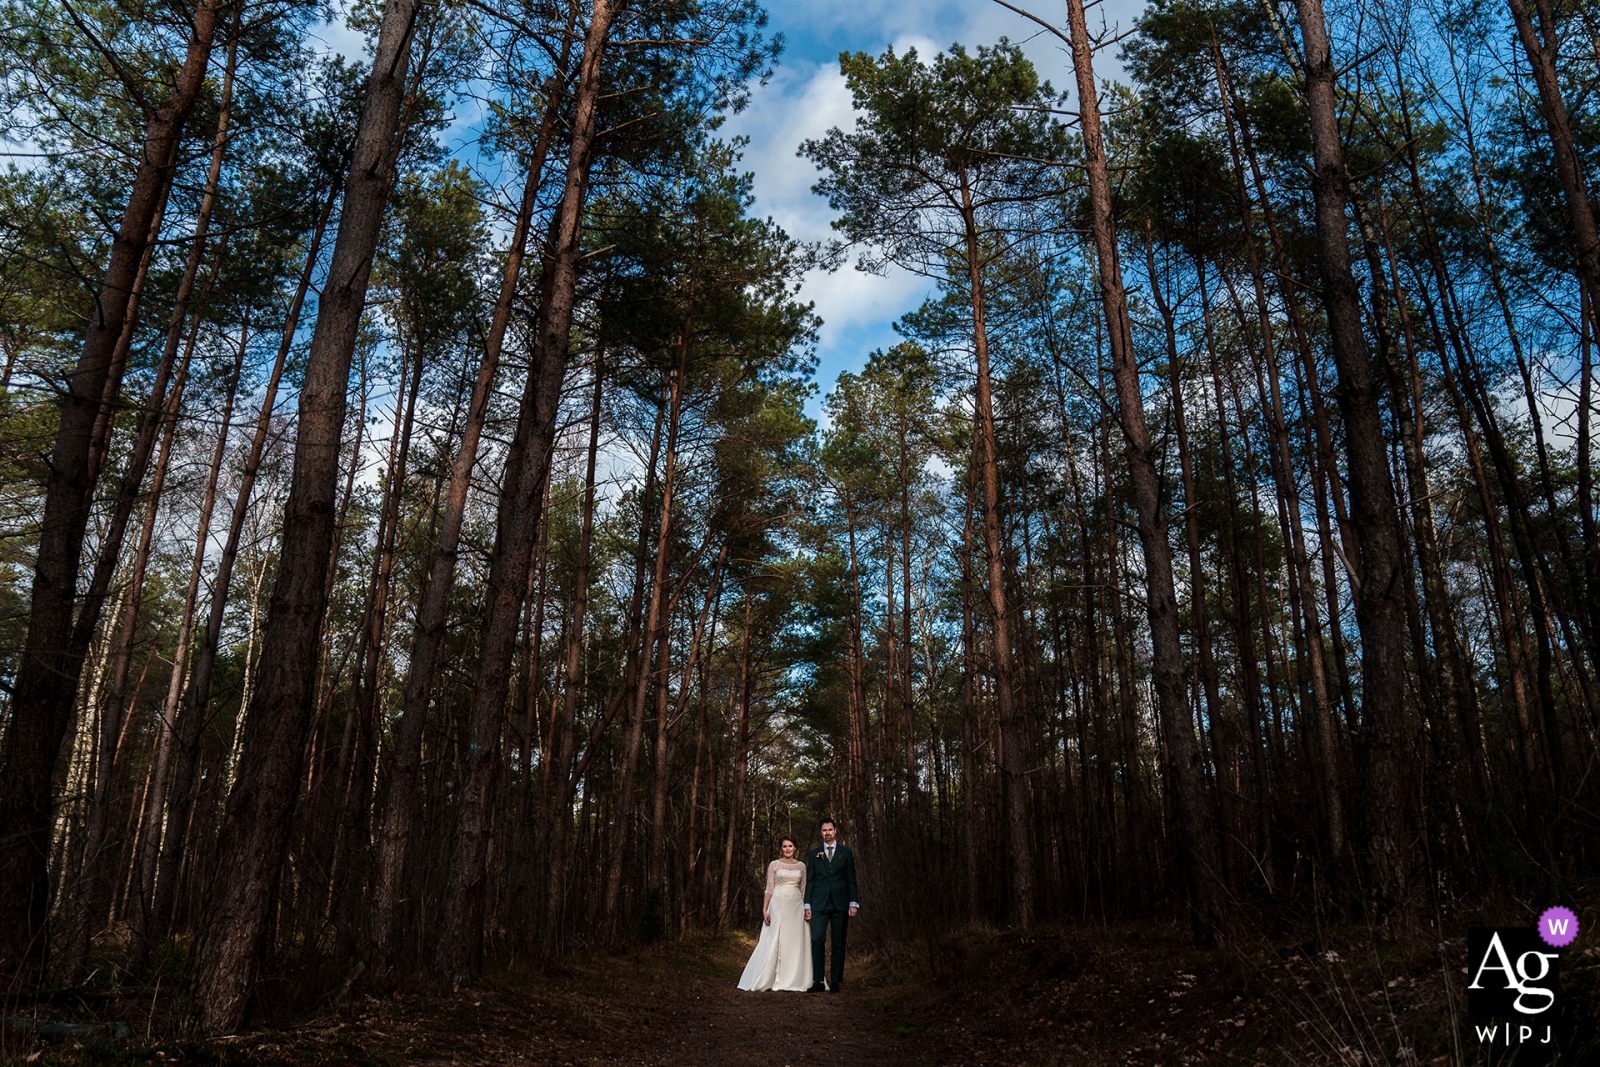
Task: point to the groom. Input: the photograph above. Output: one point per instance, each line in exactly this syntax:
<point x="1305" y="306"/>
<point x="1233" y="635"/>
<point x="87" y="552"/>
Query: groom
<point x="830" y="902"/>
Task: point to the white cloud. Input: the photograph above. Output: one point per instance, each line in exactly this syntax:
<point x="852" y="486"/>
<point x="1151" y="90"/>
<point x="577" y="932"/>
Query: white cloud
<point x="335" y="37"/>
<point x="926" y="47"/>
<point x="805" y="100"/>
<point x="807" y="96"/>
<point x="802" y="101"/>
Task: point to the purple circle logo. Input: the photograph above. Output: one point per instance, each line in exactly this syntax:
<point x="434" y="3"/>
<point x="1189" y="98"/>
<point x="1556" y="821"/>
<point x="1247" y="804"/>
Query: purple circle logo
<point x="1558" y="926"/>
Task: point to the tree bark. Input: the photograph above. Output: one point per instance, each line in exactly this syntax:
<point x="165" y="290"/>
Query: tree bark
<point x="1327" y="759"/>
<point x="1248" y="663"/>
<point x="461" y="934"/>
<point x="47" y="676"/>
<point x="1012" y="762"/>
<point x="256" y="826"/>
<point x="433" y="611"/>
<point x="1586" y="520"/>
<point x="354" y="813"/>
<point x="1199" y="612"/>
<point x="1196" y="832"/>
<point x="1387" y="734"/>
<point x="652" y="627"/>
<point x="867" y="796"/>
<point x="556" y="814"/>
<point x="93" y="889"/>
<point x="741" y="766"/>
<point x="157" y="878"/>
<point x="1542" y="48"/>
<point x="969" y="709"/>
<point x="655" y="868"/>
<point x="198" y="697"/>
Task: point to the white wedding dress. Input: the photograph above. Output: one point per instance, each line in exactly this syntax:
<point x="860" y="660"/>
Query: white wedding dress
<point x="782" y="959"/>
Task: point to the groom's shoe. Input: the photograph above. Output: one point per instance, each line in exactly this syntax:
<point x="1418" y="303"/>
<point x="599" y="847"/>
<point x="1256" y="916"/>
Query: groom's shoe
<point x="817" y="987"/>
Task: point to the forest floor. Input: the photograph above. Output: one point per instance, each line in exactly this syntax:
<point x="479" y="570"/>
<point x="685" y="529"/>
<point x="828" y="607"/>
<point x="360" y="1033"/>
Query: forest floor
<point x="1136" y="995"/>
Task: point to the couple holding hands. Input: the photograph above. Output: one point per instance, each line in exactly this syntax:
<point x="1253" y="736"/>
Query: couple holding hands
<point x="806" y="898"/>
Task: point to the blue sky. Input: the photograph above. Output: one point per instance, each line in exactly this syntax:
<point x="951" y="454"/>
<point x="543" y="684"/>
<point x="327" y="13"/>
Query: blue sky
<point x="807" y="95"/>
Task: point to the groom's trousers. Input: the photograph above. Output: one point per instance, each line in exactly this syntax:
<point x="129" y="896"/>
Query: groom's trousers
<point x="821" y="923"/>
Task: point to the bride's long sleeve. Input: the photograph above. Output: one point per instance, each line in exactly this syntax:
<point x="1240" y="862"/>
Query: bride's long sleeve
<point x="772" y="877"/>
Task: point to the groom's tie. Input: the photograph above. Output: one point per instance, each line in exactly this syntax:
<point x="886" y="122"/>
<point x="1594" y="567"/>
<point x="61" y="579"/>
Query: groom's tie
<point x="830" y="853"/>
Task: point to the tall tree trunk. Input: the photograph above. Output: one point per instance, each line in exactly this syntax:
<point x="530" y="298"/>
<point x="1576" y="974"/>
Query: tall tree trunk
<point x="199" y="695"/>
<point x="1310" y="391"/>
<point x="907" y="701"/>
<point x="398" y="803"/>
<point x="692" y="866"/>
<point x="655" y="877"/>
<point x="1134" y="829"/>
<point x="1538" y="740"/>
<point x="256" y="827"/>
<point x="1447" y="323"/>
<point x="319" y="834"/>
<point x="1456" y="671"/>
<point x="869" y="805"/>
<point x="517" y="914"/>
<point x="555" y="813"/>
<point x="185" y="780"/>
<point x="162" y="413"/>
<point x="142" y="849"/>
<point x="353" y="831"/>
<point x="893" y="771"/>
<point x="969" y="710"/>
<point x="741" y="767"/>
<point x="1543" y="51"/>
<point x="653" y="631"/>
<point x="1502" y="586"/>
<point x="1196" y="831"/>
<point x="46" y="683"/>
<point x="1388" y="805"/>
<point x="1327" y="758"/>
<point x="655" y="869"/>
<point x="1012" y="761"/>
<point x="1586" y="520"/>
<point x="1199" y="613"/>
<point x="185" y="727"/>
<point x="1249" y="664"/>
<point x="94" y="888"/>
<point x="461" y="934"/>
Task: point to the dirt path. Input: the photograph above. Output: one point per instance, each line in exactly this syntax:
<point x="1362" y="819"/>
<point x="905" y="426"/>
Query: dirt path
<point x="712" y="1022"/>
<point x="656" y="1008"/>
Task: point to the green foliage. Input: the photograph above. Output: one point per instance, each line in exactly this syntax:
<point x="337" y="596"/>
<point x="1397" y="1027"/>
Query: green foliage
<point x="970" y="133"/>
<point x="435" y="231"/>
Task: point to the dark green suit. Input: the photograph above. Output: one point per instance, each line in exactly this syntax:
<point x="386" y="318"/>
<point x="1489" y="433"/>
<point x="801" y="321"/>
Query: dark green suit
<point x="830" y="890"/>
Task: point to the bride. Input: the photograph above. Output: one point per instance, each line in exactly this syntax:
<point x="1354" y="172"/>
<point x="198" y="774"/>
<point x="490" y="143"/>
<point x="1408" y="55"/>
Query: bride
<point x="782" y="959"/>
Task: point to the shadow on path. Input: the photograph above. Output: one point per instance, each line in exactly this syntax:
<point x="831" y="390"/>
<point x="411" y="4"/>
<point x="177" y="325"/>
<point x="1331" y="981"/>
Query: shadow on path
<point x="668" y="1005"/>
